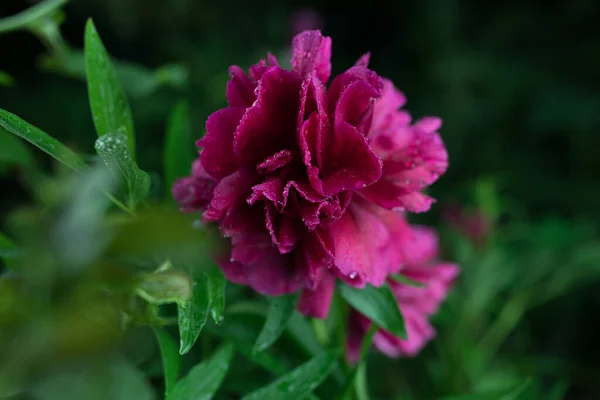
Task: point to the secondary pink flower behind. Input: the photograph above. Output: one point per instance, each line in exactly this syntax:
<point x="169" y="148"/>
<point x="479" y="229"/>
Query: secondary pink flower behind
<point x="417" y="304"/>
<point x="308" y="181"/>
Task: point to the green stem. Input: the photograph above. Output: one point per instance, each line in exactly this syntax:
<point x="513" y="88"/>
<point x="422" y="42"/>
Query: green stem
<point x="26" y="18"/>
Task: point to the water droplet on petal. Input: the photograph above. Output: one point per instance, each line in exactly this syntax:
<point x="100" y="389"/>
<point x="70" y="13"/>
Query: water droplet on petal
<point x="353" y="274"/>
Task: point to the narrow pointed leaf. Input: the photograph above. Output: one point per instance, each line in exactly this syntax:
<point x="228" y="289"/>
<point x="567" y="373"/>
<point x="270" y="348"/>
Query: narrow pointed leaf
<point x="299" y="383"/>
<point x="110" y="109"/>
<point x="204" y="379"/>
<point x="216" y="283"/>
<point x="378" y="304"/>
<point x="30" y="16"/>
<point x="170" y="358"/>
<point x="42" y="140"/>
<point x="281" y="310"/>
<point x="113" y="150"/>
<point x="179" y="146"/>
<point x="192" y="316"/>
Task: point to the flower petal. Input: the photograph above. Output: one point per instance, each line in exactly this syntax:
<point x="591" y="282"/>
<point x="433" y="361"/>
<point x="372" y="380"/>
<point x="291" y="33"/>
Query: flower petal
<point x="311" y="52"/>
<point x="315" y="303"/>
<point x="240" y="89"/>
<point x="351" y="164"/>
<point x="217" y="156"/>
<point x="267" y="127"/>
<point x="229" y="191"/>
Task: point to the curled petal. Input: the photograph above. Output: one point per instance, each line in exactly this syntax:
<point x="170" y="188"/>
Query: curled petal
<point x="266" y="126"/>
<point x="352" y="163"/>
<point x="229" y="191"/>
<point x="217" y="156"/>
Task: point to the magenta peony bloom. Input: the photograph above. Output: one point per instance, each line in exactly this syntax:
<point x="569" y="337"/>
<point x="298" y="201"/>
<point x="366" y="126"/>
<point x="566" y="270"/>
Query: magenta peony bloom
<point x="417" y="304"/>
<point x="309" y="181"/>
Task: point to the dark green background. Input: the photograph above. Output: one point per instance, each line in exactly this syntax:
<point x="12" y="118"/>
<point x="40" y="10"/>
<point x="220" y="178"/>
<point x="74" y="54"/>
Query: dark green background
<point x="517" y="84"/>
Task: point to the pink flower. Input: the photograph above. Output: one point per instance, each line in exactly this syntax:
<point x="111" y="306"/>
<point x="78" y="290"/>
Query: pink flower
<point x="304" y="179"/>
<point x="417" y="304"/>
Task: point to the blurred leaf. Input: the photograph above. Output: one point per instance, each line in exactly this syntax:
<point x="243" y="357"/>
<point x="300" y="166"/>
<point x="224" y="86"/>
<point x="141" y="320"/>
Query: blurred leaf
<point x="14" y="151"/>
<point x="152" y="236"/>
<point x="26" y="19"/>
<point x="216" y="292"/>
<point x="7" y="247"/>
<point x="136" y="80"/>
<point x="302" y="332"/>
<point x="170" y="358"/>
<point x="558" y="392"/>
<point x="168" y="286"/>
<point x="300" y="382"/>
<point x="204" y="379"/>
<point x="118" y="380"/>
<point x="406" y="281"/>
<point x="280" y="311"/>
<point x="110" y="109"/>
<point x="112" y="148"/>
<point x="79" y="236"/>
<point x="377" y="304"/>
<point x="42" y="140"/>
<point x="179" y="147"/>
<point x="513" y="393"/>
<point x="6" y="79"/>
<point x="192" y="316"/>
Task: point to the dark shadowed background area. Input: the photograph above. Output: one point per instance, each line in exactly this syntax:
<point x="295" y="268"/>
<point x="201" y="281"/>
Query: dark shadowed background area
<point x="517" y="84"/>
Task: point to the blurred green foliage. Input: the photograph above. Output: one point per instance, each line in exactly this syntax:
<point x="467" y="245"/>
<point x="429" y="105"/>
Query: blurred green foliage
<point x="516" y="84"/>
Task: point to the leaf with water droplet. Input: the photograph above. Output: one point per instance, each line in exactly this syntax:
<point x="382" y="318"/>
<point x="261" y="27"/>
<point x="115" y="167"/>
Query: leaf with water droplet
<point x="179" y="147"/>
<point x="170" y="358"/>
<point x="377" y="304"/>
<point x="299" y="383"/>
<point x="216" y="292"/>
<point x="110" y="109"/>
<point x="192" y="316"/>
<point x="281" y="310"/>
<point x="113" y="150"/>
<point x="204" y="379"/>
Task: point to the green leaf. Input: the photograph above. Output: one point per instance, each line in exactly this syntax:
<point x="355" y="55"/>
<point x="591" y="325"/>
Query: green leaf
<point x="6" y="79"/>
<point x="513" y="393"/>
<point x="406" y="281"/>
<point x="192" y="316"/>
<point x="136" y="80"/>
<point x="281" y="310"/>
<point x="377" y="304"/>
<point x="110" y="109"/>
<point x="14" y="152"/>
<point x="179" y="147"/>
<point x="7" y="247"/>
<point x="119" y="380"/>
<point x="42" y="140"/>
<point x="26" y="19"/>
<point x="170" y="358"/>
<point x="216" y="292"/>
<point x="205" y="378"/>
<point x="168" y="286"/>
<point x="300" y="382"/>
<point x="113" y="150"/>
